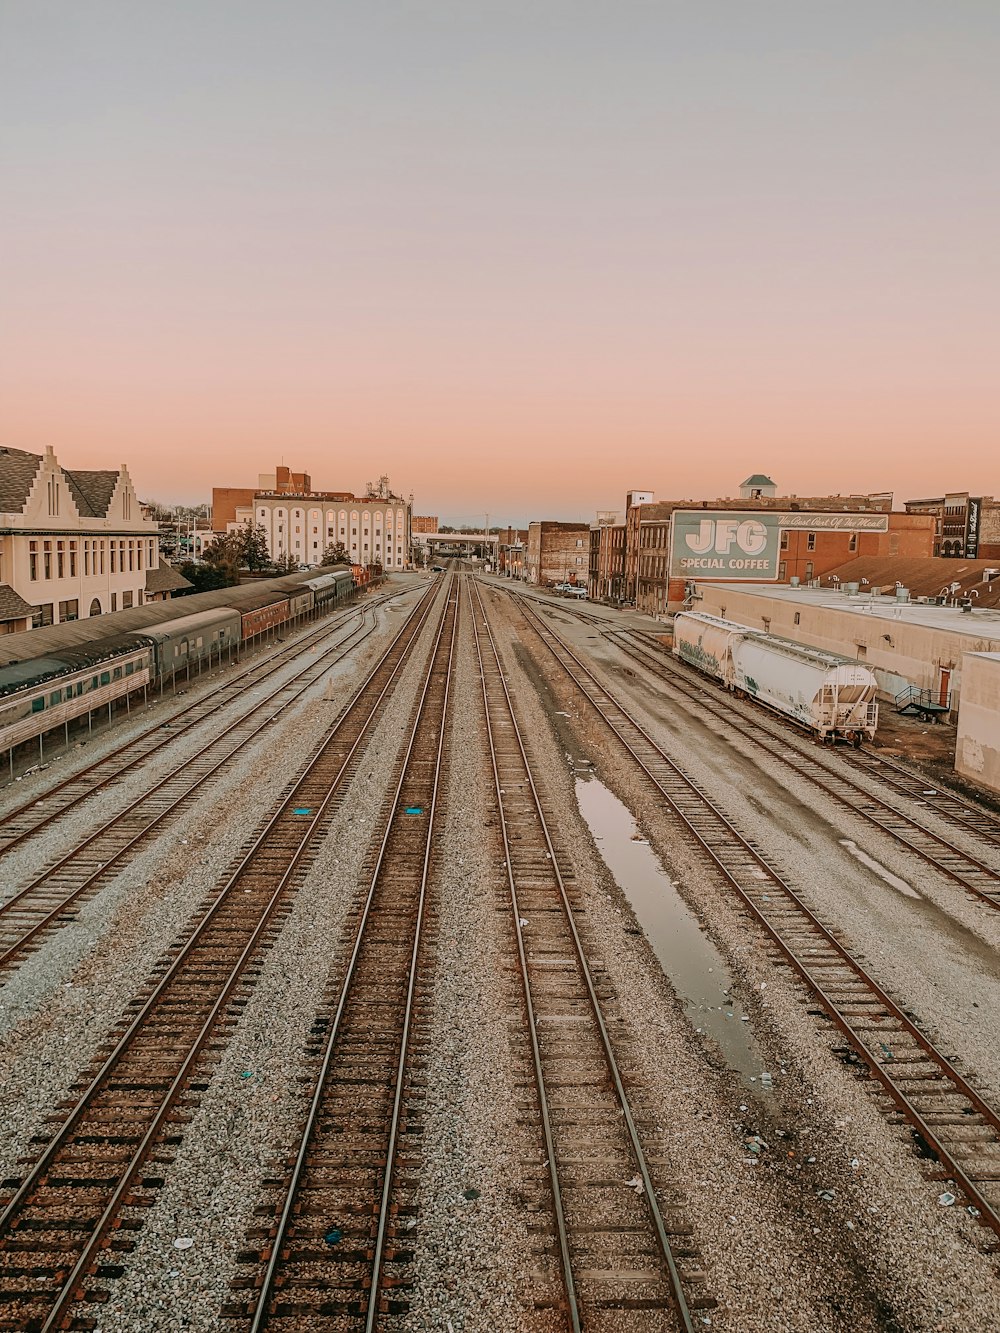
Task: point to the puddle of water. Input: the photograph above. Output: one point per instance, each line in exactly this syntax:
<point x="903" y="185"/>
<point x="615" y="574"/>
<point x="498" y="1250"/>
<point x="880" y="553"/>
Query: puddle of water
<point x="690" y="961"/>
<point x="900" y="885"/>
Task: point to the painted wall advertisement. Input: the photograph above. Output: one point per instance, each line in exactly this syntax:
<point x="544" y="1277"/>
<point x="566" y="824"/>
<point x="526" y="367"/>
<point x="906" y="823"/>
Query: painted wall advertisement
<point x="734" y="545"/>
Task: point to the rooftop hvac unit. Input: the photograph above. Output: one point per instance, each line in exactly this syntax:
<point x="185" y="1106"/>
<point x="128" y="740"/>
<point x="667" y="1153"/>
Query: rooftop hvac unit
<point x="902" y="594"/>
<point x="852" y="589"/>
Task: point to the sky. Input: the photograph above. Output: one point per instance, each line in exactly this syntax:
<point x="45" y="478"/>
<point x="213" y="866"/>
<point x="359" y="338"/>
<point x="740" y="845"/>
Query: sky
<point x="520" y="257"/>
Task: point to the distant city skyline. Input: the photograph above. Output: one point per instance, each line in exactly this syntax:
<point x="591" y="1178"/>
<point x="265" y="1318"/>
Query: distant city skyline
<point x="525" y="257"/>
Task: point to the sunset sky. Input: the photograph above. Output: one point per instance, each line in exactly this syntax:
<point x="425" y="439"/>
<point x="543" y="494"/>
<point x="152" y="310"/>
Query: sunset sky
<point x="521" y="257"/>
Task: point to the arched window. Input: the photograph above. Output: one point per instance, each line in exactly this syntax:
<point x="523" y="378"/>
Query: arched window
<point x="95" y="607"/>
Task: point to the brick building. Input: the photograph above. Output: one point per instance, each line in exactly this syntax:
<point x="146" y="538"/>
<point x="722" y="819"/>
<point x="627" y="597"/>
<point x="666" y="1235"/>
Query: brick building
<point x="803" y="555"/>
<point x="967" y="527"/>
<point x="511" y="546"/>
<point x="424" y="523"/>
<point x="606" y="574"/>
<point x="226" y="500"/>
<point x="556" y="553"/>
<point x="299" y="523"/>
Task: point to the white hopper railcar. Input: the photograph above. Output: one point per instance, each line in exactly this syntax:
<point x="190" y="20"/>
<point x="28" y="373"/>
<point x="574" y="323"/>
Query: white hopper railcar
<point x="824" y="692"/>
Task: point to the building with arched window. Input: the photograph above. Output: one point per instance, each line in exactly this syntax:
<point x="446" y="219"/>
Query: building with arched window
<point x="300" y="523"/>
<point x="73" y="544"/>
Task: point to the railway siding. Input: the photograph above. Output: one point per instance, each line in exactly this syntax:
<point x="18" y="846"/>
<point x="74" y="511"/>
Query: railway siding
<point x="978" y="877"/>
<point x="939" y="1102"/>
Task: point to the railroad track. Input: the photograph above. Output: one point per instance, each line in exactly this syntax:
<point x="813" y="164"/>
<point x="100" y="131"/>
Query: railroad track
<point x="341" y="1240"/>
<point x="976" y="876"/>
<point x="22" y="821"/>
<point x="52" y="897"/>
<point x="621" y="1239"/>
<point x="948" y="1115"/>
<point x="65" y="1224"/>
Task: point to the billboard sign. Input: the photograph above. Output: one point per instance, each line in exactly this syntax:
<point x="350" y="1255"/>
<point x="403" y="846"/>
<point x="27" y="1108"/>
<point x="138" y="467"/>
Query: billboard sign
<point x="724" y="544"/>
<point x="745" y="544"/>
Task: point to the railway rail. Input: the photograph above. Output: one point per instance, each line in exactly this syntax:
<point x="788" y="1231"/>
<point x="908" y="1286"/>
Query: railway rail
<point x="23" y="821"/>
<point x="976" y="876"/>
<point x="63" y="1225"/>
<point x="341" y="1242"/>
<point x="621" y="1239"/>
<point x="954" y="1122"/>
<point x="51" y="897"/>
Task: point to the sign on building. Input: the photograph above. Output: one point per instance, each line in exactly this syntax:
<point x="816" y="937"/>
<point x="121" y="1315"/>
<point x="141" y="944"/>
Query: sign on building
<point x="734" y="545"/>
<point x="723" y="545"/>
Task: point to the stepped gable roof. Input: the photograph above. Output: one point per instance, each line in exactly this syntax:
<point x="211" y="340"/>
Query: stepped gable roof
<point x="758" y="479"/>
<point x="165" y="579"/>
<point x="18" y="470"/>
<point x="92" y="491"/>
<point x="925" y="576"/>
<point x="12" y="605"/>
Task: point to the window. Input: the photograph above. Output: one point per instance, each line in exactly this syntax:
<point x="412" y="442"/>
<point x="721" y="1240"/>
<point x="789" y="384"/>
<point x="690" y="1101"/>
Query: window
<point x="809" y="569"/>
<point x="798" y="617"/>
<point x="72" y="560"/>
<point x="126" y="601"/>
<point x="60" y="560"/>
<point x="47" y="559"/>
<point x="852" y="544"/>
<point x="114" y="561"/>
<point x="114" y="601"/>
<point x="579" y="541"/>
<point x="32" y="560"/>
<point x="41" y="615"/>
<point x="784" y="541"/>
<point x="862" y="651"/>
<point x="37" y="705"/>
<point x="69" y="610"/>
<point x="782" y="571"/>
<point x="810" y="541"/>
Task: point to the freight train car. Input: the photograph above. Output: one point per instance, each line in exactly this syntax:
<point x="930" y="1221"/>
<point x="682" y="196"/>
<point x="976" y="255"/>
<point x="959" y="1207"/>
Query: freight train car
<point x="828" y="694"/>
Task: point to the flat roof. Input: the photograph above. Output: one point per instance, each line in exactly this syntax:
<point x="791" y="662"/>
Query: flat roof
<point x="981" y="623"/>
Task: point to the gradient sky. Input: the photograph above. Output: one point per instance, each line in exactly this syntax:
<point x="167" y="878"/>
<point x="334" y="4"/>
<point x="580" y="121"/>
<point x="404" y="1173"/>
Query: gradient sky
<point x="520" y="256"/>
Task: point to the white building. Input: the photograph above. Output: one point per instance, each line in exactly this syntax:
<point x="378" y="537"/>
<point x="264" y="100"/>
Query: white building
<point x="374" y="529"/>
<point x="73" y="544"/>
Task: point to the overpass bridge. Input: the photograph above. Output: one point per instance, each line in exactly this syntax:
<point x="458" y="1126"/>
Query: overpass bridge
<point x="461" y="540"/>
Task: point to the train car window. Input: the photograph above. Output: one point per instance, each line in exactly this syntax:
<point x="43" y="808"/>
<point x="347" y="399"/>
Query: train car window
<point x="37" y="705"/>
<point x="79" y="688"/>
<point x="93" y="683"/>
<point x="105" y="677"/>
<point x="118" y="673"/>
<point x="129" y="668"/>
<point x="55" y="698"/>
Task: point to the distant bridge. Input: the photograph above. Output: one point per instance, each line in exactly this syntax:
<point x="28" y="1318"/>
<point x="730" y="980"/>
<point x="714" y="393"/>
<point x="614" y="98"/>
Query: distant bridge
<point x="465" y="539"/>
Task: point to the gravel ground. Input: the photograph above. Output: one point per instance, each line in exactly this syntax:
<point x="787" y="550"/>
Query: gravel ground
<point x="75" y="987"/>
<point x="885" y="1254"/>
<point x="243" y="1125"/>
<point x="879" y="1256"/>
<point x="473" y="1255"/>
<point x="934" y="949"/>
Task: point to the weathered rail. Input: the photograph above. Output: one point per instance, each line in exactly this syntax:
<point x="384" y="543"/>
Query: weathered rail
<point x="956" y="1123"/>
<point x="622" y="1242"/>
<point x="61" y="1225"/>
